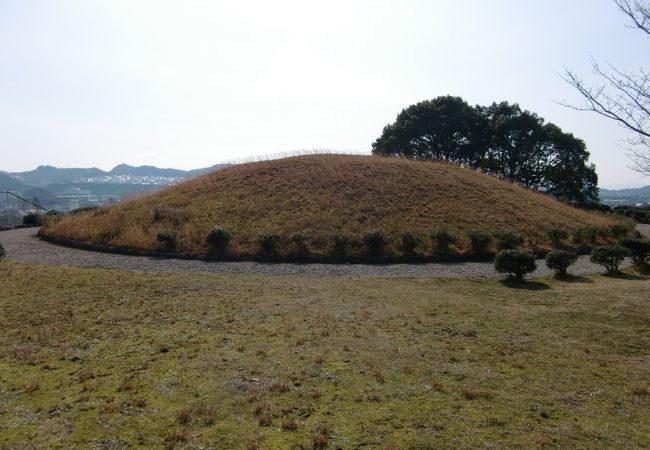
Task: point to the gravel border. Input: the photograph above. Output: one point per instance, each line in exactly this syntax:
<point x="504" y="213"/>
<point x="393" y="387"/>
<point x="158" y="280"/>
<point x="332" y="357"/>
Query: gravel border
<point x="22" y="245"/>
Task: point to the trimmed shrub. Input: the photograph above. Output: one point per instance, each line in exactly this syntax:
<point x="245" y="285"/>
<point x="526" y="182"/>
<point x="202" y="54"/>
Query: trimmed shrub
<point x="375" y="242"/>
<point x="174" y="216"/>
<point x="515" y="263"/>
<point x="479" y="241"/>
<point x="639" y="249"/>
<point x="2" y="251"/>
<point x="299" y="241"/>
<point x="410" y="241"/>
<point x="167" y="239"/>
<point x="33" y="219"/>
<point x="557" y="235"/>
<point x="218" y="240"/>
<point x="560" y="261"/>
<point x="111" y="233"/>
<point x="604" y="232"/>
<point x="268" y="244"/>
<point x="610" y="256"/>
<point x="339" y="244"/>
<point x="578" y="235"/>
<point x="589" y="234"/>
<point x="442" y="239"/>
<point x="640" y="214"/>
<point x="508" y="239"/>
<point x="619" y="230"/>
<point x="586" y="235"/>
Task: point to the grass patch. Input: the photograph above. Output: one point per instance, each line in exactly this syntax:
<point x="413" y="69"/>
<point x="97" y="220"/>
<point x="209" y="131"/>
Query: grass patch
<point x="282" y="362"/>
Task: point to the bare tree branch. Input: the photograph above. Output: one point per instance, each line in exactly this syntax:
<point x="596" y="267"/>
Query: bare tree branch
<point x="622" y="96"/>
<point x="638" y="12"/>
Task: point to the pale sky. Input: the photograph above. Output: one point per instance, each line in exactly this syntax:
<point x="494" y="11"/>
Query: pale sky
<point x="188" y="84"/>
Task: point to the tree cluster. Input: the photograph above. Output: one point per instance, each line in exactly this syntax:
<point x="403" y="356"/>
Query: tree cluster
<point x="501" y="139"/>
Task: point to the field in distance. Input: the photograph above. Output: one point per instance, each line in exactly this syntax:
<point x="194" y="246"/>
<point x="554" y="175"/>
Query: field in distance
<point x="320" y="195"/>
<point x="294" y="362"/>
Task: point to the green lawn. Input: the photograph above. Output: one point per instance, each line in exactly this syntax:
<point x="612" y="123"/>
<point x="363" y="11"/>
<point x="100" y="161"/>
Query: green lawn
<point x="109" y="359"/>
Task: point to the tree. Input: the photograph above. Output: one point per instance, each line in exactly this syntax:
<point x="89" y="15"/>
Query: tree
<point x="621" y="96"/>
<point x="445" y="129"/>
<point x="517" y="145"/>
<point x="569" y="175"/>
<point x="501" y="139"/>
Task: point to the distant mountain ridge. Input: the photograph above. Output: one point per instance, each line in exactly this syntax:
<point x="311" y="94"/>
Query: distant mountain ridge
<point x="616" y="197"/>
<point x="45" y="176"/>
<point x="645" y="190"/>
<point x="52" y="184"/>
<point x="7" y="182"/>
<point x="147" y="171"/>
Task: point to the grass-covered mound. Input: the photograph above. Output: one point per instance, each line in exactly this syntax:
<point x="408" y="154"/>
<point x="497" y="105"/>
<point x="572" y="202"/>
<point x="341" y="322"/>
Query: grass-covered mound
<point x="322" y="196"/>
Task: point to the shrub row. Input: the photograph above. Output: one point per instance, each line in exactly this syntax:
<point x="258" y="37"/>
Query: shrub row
<point x="590" y="233"/>
<point x="640" y="214"/>
<point x="375" y="242"/>
<point x="517" y="263"/>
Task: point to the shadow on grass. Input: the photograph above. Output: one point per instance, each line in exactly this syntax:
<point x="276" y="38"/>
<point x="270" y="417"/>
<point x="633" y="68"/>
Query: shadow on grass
<point x="625" y="276"/>
<point x="525" y="284"/>
<point x="643" y="269"/>
<point x="573" y="279"/>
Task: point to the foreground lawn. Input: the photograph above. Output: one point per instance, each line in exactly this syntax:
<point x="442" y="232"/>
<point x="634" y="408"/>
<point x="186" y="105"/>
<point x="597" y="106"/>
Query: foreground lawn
<point x="109" y="359"/>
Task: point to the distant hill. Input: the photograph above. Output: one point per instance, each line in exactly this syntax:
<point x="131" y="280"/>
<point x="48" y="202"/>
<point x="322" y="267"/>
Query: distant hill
<point x="55" y="187"/>
<point x="625" y="196"/>
<point x="147" y="171"/>
<point x="7" y="182"/>
<point x="44" y="197"/>
<point x="44" y="175"/>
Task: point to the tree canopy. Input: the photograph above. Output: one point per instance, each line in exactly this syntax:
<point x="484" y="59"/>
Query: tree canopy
<point x="500" y="139"/>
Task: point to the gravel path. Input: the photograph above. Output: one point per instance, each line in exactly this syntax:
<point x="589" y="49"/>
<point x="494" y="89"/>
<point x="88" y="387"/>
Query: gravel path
<point x="22" y="245"/>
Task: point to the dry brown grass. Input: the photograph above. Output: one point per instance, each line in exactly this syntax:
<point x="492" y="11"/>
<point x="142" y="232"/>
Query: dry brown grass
<point x="320" y="195"/>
